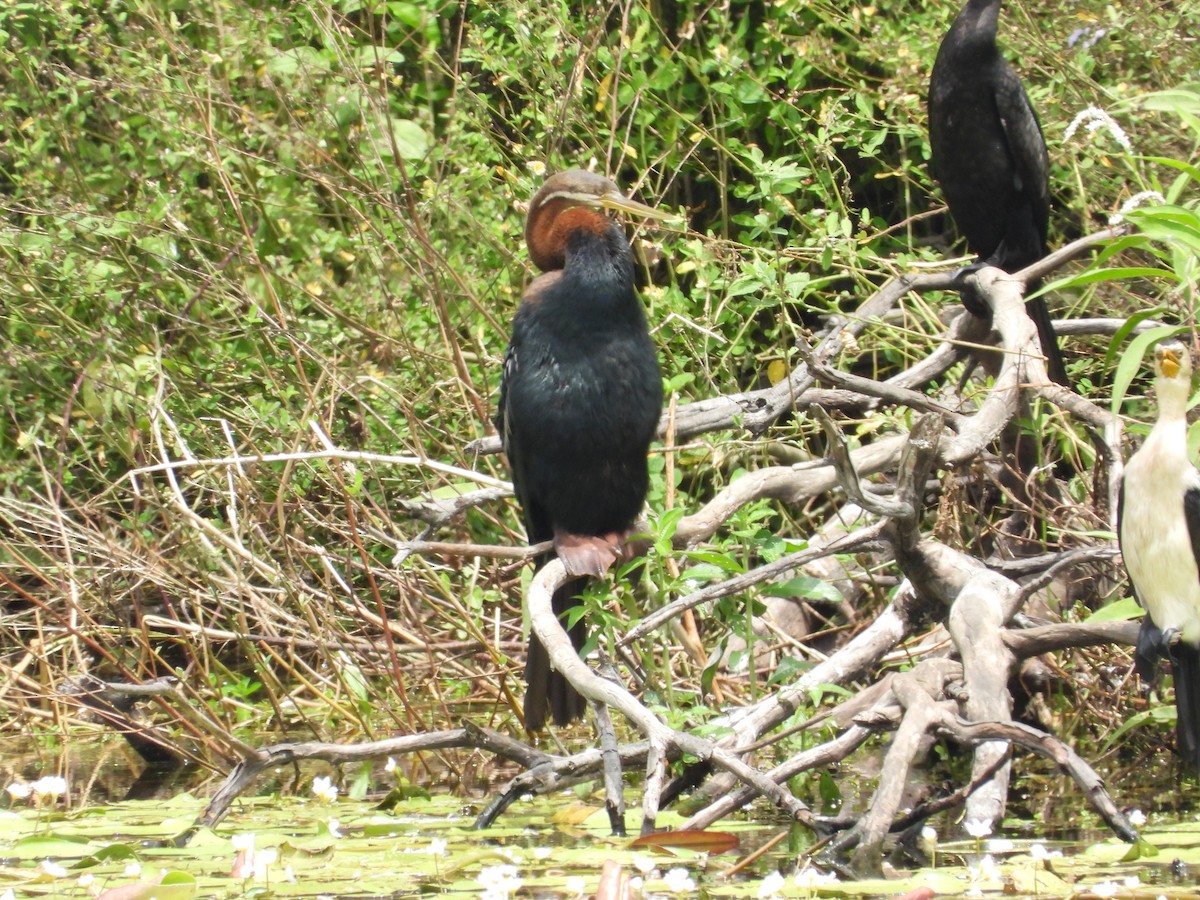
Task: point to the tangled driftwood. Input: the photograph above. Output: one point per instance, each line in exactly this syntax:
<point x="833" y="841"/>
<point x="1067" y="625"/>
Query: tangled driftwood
<point x="957" y="686"/>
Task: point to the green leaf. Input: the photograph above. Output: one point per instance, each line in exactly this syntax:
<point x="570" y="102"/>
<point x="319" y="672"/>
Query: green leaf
<point x="1131" y="361"/>
<point x="1118" y="611"/>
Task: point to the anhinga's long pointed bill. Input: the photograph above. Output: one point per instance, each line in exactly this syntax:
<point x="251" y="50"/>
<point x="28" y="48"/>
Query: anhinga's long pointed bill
<point x="618" y="202"/>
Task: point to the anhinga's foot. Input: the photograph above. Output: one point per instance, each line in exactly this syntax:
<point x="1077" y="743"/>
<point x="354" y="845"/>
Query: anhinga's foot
<point x="587" y="554"/>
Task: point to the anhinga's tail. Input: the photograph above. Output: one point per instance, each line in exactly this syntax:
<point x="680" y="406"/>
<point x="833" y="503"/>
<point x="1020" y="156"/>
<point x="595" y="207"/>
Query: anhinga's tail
<point x="547" y="690"/>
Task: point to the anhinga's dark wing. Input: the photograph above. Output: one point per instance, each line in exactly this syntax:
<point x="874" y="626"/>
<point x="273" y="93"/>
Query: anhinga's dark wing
<point x="548" y="693"/>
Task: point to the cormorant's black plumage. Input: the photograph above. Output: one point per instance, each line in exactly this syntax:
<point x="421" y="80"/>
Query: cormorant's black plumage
<point x="990" y="158"/>
<point x="579" y="405"/>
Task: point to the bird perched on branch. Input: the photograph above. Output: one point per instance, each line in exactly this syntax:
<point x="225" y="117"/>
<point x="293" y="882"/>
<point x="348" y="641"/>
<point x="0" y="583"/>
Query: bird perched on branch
<point x="1158" y="523"/>
<point x="579" y="403"/>
<point x="990" y="158"/>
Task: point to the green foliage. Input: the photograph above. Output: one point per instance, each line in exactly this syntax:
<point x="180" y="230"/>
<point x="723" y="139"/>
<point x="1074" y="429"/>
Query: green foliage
<point x="267" y="230"/>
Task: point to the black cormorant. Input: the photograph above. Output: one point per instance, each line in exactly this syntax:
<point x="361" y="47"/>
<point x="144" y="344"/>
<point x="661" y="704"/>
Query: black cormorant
<point x="990" y="158"/>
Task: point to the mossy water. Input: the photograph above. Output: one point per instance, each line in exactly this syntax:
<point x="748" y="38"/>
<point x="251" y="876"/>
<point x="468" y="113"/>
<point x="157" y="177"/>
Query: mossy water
<point x="320" y="844"/>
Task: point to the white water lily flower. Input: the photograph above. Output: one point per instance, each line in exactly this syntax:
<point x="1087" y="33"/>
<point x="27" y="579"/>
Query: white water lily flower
<point x="643" y="864"/>
<point x="1106" y="889"/>
<point x="1137" y="818"/>
<point x="977" y="828"/>
<point x="18" y="790"/>
<point x="263" y="860"/>
<point x="499" y="882"/>
<point x="1041" y="854"/>
<point x="50" y="786"/>
<point x="437" y="847"/>
<point x="771" y="885"/>
<point x="323" y="788"/>
<point x="678" y="881"/>
<point x="575" y="886"/>
<point x="53" y="869"/>
<point x="134" y="869"/>
<point x="242" y="841"/>
<point x="811" y="877"/>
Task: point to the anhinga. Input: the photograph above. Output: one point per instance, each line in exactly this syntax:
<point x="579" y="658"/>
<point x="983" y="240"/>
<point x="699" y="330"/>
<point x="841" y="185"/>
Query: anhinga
<point x="579" y="403"/>
<point x="1158" y="523"/>
<point x="990" y="158"/>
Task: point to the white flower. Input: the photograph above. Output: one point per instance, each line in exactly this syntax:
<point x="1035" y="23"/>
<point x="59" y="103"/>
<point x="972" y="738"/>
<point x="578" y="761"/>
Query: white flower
<point x="810" y="877"/>
<point x="771" y="885"/>
<point x="929" y="833"/>
<point x="390" y="765"/>
<point x="1106" y="889"/>
<point x="536" y="166"/>
<point x="264" y="859"/>
<point x="985" y="870"/>
<point x="1140" y="199"/>
<point x="999" y="845"/>
<point x="1132" y="882"/>
<point x="678" y="882"/>
<point x="643" y="864"/>
<point x="437" y="847"/>
<point x="334" y="827"/>
<point x="977" y="828"/>
<point x="85" y="879"/>
<point x="1041" y="854"/>
<point x="133" y="870"/>
<point x="1093" y="119"/>
<point x="1137" y="818"/>
<point x="50" y="786"/>
<point x="542" y="852"/>
<point x="53" y="869"/>
<point x="575" y="886"/>
<point x="242" y="841"/>
<point x="324" y="788"/>
<point x="498" y="882"/>
<point x="18" y="790"/>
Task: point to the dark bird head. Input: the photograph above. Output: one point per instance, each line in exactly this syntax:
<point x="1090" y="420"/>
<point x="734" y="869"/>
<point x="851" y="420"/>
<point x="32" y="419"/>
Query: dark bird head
<point x="973" y="33"/>
<point x="574" y="200"/>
